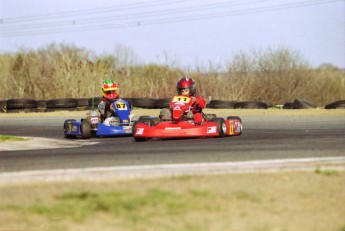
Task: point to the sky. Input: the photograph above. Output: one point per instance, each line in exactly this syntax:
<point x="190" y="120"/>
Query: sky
<point x="178" y="32"/>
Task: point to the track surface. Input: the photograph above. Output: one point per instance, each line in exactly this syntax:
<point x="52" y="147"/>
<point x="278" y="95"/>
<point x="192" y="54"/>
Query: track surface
<point x="263" y="138"/>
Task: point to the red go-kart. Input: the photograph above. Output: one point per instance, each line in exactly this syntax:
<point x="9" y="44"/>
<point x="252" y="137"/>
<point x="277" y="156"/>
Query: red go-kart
<point x="181" y="124"/>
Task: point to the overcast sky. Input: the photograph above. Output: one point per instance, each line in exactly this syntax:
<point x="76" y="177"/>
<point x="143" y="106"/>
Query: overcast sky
<point x="186" y="32"/>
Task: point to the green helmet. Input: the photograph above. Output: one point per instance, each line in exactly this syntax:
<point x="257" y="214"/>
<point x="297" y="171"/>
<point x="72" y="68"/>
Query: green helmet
<point x="110" y="89"/>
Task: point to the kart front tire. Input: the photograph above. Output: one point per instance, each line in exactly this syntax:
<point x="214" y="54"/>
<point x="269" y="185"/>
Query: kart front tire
<point x="85" y="129"/>
<point x="221" y="126"/>
<point x="65" y="124"/>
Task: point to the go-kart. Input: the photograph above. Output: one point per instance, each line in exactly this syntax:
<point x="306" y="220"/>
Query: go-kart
<point x="120" y="124"/>
<point x="181" y="123"/>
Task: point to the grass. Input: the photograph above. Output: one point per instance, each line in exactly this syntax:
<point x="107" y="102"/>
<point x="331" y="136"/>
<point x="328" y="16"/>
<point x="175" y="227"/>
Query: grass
<point x="287" y="201"/>
<point x="6" y="138"/>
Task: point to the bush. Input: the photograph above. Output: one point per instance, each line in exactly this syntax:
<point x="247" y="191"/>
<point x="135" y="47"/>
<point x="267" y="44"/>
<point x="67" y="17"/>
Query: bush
<point x="272" y="76"/>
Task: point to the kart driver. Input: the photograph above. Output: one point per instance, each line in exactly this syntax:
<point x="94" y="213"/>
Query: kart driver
<point x="110" y="90"/>
<point x="186" y="87"/>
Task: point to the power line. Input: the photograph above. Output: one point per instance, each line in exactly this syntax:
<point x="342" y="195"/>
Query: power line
<point x="166" y="17"/>
<point x="116" y="9"/>
<point x="59" y="15"/>
<point x="127" y="16"/>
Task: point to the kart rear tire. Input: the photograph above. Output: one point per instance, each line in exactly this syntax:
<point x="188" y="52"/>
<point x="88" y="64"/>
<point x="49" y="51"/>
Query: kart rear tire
<point x="234" y="118"/>
<point x="85" y="129"/>
<point x="134" y="128"/>
<point x="221" y="126"/>
<point x="147" y="120"/>
<point x="65" y="124"/>
<point x="210" y="117"/>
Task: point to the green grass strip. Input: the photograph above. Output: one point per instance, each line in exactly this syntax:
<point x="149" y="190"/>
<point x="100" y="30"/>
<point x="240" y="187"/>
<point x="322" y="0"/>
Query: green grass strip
<point x="6" y="138"/>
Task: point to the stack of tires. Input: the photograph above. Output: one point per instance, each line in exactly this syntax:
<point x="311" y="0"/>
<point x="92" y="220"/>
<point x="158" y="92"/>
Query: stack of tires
<point x="336" y="104"/>
<point x="17" y="105"/>
<point x="237" y="105"/>
<point x="299" y="104"/>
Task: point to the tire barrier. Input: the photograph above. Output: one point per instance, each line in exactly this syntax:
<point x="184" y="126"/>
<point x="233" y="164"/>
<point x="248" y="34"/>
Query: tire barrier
<point x="65" y="103"/>
<point x="251" y="105"/>
<point x="83" y="102"/>
<point x="299" y="104"/>
<point x="74" y="104"/>
<point x="303" y="104"/>
<point x="144" y="103"/>
<point x="13" y="104"/>
<point x="93" y="102"/>
<point x="3" y="105"/>
<point x="18" y="105"/>
<point x="289" y="105"/>
<point x="336" y="105"/>
<point x="41" y="104"/>
<point x="163" y="103"/>
<point x="221" y="104"/>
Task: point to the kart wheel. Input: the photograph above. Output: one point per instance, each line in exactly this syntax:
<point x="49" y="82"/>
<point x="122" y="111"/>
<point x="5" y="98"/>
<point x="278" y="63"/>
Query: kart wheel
<point x="85" y="129"/>
<point x="134" y="128"/>
<point x="236" y="118"/>
<point x="221" y="126"/>
<point x="65" y="125"/>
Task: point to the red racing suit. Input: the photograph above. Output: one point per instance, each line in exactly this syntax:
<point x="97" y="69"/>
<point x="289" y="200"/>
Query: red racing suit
<point x="197" y="106"/>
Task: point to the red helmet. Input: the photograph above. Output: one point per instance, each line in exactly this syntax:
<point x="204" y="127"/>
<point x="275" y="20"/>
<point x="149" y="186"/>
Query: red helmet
<point x="186" y="83"/>
<point x="110" y="89"/>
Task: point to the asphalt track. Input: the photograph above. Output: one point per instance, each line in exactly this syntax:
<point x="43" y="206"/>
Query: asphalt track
<point x="263" y="138"/>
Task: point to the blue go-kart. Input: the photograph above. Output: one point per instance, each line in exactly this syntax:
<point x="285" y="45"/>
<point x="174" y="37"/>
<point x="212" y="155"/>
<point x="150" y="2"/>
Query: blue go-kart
<point x="119" y="124"/>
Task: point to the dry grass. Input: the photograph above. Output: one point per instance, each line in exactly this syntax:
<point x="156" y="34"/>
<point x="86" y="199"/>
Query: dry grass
<point x="286" y="201"/>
